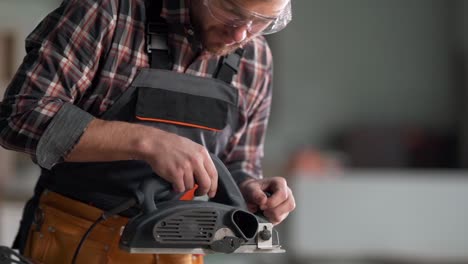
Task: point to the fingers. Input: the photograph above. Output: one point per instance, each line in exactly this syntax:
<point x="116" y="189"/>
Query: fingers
<point x="253" y="208"/>
<point x="183" y="163"/>
<point x="178" y="183"/>
<point x="277" y="214"/>
<point x="188" y="178"/>
<point x="279" y="189"/>
<point x="253" y="192"/>
<point x="213" y="175"/>
<point x="274" y="218"/>
<point x="276" y="207"/>
<point x="202" y="178"/>
<point x="259" y="197"/>
<point x="206" y="175"/>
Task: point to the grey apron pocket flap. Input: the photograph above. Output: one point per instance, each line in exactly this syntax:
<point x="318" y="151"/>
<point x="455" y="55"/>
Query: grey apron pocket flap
<point x="158" y="105"/>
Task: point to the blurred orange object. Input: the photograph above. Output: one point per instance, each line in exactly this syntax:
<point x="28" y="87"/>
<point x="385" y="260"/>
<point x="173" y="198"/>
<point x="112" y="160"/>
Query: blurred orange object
<point x="312" y="162"/>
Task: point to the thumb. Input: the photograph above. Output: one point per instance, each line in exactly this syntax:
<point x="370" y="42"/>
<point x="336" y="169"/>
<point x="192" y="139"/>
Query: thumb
<point x="256" y="195"/>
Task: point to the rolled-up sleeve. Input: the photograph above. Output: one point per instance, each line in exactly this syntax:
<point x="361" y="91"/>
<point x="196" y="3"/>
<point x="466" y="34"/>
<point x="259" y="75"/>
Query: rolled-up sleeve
<point x="38" y="114"/>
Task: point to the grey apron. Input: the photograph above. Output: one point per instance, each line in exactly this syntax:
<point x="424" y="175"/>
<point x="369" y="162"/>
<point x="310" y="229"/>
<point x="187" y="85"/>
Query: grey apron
<point x="201" y="109"/>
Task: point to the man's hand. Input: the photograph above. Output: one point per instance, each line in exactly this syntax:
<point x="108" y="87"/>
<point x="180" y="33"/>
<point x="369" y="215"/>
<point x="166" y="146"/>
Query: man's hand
<point x="181" y="162"/>
<point x="178" y="160"/>
<point x="275" y="207"/>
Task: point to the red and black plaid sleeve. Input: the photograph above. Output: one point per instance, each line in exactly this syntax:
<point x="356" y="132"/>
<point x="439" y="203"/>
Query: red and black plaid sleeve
<point x="62" y="59"/>
<point x="246" y="150"/>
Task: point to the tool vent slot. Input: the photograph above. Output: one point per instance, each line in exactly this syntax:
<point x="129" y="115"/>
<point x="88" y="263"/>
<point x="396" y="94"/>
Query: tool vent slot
<point x="193" y="227"/>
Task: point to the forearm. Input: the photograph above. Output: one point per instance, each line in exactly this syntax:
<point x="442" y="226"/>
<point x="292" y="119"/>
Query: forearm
<point x="111" y="141"/>
<point x="176" y="159"/>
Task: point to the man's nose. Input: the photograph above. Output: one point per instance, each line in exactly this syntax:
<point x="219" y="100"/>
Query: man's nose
<point x="239" y="34"/>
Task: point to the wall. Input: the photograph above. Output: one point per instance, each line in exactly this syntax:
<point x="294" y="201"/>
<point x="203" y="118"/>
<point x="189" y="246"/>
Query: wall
<point x="19" y="17"/>
<point x="22" y="16"/>
<point x="338" y="63"/>
<point x="348" y="62"/>
<point x="461" y="46"/>
<point x="407" y="216"/>
<point x="463" y="29"/>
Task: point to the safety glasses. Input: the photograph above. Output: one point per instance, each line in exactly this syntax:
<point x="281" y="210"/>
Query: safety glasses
<point x="230" y="13"/>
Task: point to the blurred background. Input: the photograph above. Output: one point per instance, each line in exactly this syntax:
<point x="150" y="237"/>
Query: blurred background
<point x="369" y="124"/>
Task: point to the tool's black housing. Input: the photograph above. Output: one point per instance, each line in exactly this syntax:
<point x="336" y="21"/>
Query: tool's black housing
<point x="189" y="224"/>
<point x="222" y="224"/>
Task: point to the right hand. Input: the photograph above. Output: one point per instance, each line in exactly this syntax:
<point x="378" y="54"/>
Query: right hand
<point x="181" y="162"/>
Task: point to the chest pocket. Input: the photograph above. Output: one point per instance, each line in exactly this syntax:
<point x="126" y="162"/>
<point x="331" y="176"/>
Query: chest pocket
<point x="204" y="110"/>
<point x="183" y="109"/>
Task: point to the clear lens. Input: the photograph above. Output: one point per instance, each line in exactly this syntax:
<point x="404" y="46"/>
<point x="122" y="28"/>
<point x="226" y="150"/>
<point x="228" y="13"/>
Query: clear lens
<point x="280" y="22"/>
<point x="230" y="14"/>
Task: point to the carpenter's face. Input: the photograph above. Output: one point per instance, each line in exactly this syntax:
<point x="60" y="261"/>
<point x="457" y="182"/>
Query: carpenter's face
<point x="226" y="25"/>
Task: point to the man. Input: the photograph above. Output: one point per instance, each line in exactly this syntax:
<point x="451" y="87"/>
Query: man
<point x="112" y="92"/>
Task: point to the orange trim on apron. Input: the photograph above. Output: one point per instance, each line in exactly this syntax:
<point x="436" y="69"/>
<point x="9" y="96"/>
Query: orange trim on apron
<point x="176" y="123"/>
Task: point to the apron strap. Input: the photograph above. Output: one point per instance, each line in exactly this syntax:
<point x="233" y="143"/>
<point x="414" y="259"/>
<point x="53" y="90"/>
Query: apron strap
<point x="156" y="33"/>
<point x="158" y="49"/>
<point x="229" y="66"/>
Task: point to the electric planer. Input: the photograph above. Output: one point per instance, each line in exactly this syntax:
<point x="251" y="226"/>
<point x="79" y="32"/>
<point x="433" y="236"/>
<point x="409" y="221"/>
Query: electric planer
<point x="223" y="224"/>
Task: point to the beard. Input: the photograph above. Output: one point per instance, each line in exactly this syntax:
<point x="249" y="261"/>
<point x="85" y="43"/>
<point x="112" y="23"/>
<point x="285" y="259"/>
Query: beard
<point x="222" y="50"/>
<point x="213" y="46"/>
<point x="211" y="36"/>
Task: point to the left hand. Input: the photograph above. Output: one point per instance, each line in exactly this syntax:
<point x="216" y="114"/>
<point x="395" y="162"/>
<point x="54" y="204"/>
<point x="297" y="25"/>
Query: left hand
<point x="276" y="207"/>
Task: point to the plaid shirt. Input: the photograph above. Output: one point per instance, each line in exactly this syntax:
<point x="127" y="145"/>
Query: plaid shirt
<point x="85" y="53"/>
